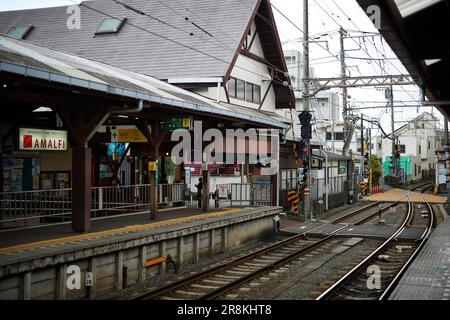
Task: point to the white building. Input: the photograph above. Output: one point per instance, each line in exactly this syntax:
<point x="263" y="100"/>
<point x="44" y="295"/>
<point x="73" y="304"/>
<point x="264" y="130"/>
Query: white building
<point x="418" y="140"/>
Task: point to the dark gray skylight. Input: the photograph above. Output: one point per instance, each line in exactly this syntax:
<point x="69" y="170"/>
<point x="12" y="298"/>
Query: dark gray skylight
<point x="19" y="32"/>
<point x="110" y="25"/>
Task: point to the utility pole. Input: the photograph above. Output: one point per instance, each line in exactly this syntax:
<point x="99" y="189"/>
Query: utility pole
<point x="343" y="76"/>
<point x="447" y="157"/>
<point x="390" y="93"/>
<point x="348" y="133"/>
<point x="306" y="202"/>
<point x="362" y="148"/>
<point x="369" y="135"/>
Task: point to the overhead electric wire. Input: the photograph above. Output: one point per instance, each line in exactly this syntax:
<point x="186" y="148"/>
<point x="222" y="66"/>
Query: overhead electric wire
<point x="369" y="41"/>
<point x="174" y="41"/>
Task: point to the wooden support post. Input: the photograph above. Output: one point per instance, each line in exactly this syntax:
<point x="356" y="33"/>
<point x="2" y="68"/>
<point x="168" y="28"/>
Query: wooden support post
<point x="82" y="123"/>
<point x="81" y="188"/>
<point x="153" y="195"/>
<point x="155" y="136"/>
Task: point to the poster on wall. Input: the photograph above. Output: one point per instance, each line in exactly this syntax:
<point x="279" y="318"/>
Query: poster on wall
<point x="16" y="180"/>
<point x="36" y="172"/>
<point x="47" y="181"/>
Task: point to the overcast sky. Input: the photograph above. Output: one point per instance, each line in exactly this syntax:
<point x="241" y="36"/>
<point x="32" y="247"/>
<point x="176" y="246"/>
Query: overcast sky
<point x="325" y="18"/>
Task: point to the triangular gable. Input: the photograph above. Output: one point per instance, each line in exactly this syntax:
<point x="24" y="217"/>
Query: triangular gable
<point x="273" y="53"/>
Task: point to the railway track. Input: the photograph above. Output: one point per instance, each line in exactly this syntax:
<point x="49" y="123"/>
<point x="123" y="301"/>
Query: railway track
<point x="376" y="276"/>
<point x="219" y="280"/>
<point x="367" y="213"/>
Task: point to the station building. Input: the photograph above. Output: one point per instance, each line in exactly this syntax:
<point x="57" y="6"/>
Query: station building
<point x="118" y="85"/>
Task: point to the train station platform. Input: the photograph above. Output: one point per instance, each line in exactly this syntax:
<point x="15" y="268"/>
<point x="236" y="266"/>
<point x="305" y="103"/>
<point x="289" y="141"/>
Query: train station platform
<point x="34" y="237"/>
<point x="120" y="251"/>
<point x="394" y="195"/>
<point x="428" y="276"/>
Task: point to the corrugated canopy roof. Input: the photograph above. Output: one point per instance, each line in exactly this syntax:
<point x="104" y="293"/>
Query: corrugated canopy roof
<point x="23" y="58"/>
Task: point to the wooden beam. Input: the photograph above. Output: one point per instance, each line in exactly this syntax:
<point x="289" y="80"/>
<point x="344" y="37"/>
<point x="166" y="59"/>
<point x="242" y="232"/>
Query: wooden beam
<point x="265" y="95"/>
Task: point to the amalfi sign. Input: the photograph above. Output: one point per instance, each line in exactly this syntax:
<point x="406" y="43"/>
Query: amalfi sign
<point x="42" y="139"/>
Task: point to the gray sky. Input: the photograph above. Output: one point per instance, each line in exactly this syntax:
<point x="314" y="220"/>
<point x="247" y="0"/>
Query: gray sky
<point x="325" y="17"/>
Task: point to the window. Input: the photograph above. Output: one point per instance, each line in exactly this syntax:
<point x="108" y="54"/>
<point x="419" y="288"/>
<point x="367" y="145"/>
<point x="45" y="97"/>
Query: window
<point x="423" y="125"/>
<point x="240" y="89"/>
<point x="110" y="25"/>
<point x="19" y="32"/>
<point x="429" y="145"/>
<point x="420" y="149"/>
<point x="415" y="169"/>
<point x="402" y="148"/>
<point x="252" y="92"/>
<point x="288" y="179"/>
<point x="248" y="92"/>
<point x="232" y="87"/>
<point x="339" y="136"/>
<point x="244" y="90"/>
<point x="329" y="136"/>
<point x="256" y="93"/>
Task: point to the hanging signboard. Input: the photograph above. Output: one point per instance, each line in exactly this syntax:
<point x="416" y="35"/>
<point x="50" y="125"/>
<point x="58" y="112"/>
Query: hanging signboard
<point x="129" y="135"/>
<point x="42" y="139"/>
<point x="172" y="123"/>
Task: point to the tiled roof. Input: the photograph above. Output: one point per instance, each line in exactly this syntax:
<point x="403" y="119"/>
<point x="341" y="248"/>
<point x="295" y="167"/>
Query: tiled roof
<point x="143" y="49"/>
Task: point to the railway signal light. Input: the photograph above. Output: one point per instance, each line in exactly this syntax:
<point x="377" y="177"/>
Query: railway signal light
<point x="366" y="159"/>
<point x="305" y="121"/>
<point x="302" y="172"/>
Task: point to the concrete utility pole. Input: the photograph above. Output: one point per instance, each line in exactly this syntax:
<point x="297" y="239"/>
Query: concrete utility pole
<point x="306" y="202"/>
<point x="369" y="135"/>
<point x="362" y="148"/>
<point x="447" y="157"/>
<point x="348" y="132"/>
<point x="390" y="93"/>
<point x="343" y="76"/>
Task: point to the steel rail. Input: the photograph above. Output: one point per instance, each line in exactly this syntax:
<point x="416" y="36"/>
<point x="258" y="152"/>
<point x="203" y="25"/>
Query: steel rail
<point x="341" y="281"/>
<point x="224" y="266"/>
<point x="238" y="282"/>
<point x="423" y="239"/>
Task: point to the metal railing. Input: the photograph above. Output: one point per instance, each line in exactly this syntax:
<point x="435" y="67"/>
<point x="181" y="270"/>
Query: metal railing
<point x="16" y="206"/>
<point x="46" y="206"/>
<point x="244" y="194"/>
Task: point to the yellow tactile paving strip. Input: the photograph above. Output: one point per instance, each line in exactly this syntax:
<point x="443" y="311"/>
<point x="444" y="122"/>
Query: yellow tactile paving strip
<point x="101" y="234"/>
<point x="400" y="195"/>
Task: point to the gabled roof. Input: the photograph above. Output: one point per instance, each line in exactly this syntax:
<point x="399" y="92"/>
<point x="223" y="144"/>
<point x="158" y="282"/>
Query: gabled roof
<point x="21" y="58"/>
<point x="418" y="118"/>
<point x="143" y="49"/>
<point x="175" y="39"/>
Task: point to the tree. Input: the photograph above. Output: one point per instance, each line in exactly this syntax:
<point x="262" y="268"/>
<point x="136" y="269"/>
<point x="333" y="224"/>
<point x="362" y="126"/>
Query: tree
<point x="376" y="170"/>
